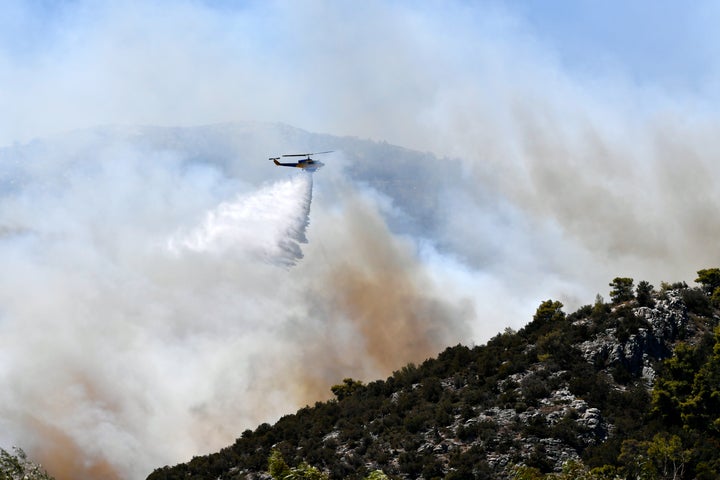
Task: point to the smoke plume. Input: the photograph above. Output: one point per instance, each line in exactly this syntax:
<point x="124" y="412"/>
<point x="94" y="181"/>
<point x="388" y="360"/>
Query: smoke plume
<point x="155" y="307"/>
<point x="165" y="288"/>
<point x="372" y="306"/>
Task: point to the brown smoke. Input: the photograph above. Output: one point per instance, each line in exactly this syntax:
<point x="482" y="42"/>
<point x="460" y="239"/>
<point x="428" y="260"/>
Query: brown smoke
<point x="64" y="459"/>
<point x="386" y="296"/>
<point x="376" y="307"/>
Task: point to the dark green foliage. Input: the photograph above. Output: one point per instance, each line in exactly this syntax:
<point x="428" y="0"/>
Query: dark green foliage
<point x="601" y="314"/>
<point x="347" y="388"/>
<point x="701" y="408"/>
<point x="539" y="459"/>
<point x="715" y="298"/>
<point x="666" y="287"/>
<point x="680" y="434"/>
<point x="674" y="384"/>
<point x="557" y="347"/>
<point x="534" y="388"/>
<point x="628" y="323"/>
<point x="697" y="301"/>
<point x="621" y="374"/>
<point x="622" y="289"/>
<point x="536" y="426"/>
<point x="709" y="278"/>
<point x="644" y="294"/>
<point x="410" y="424"/>
<point x="432" y="389"/>
<point x="583" y="312"/>
<point x="432" y="468"/>
<point x="585" y="383"/>
<point x="568" y="430"/>
<point x="547" y="314"/>
<point x="468" y="465"/>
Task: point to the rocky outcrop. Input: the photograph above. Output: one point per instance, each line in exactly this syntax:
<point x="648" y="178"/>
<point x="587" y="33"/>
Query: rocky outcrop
<point x="541" y="420"/>
<point x="540" y="397"/>
<point x="660" y="327"/>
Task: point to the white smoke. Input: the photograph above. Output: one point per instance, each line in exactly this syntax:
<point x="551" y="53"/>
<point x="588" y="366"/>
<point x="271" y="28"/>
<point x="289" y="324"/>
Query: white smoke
<point x="113" y="342"/>
<point x="142" y="319"/>
<point x="154" y="306"/>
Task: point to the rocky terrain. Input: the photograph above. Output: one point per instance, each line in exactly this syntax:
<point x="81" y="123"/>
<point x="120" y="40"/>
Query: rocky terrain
<point x="578" y="389"/>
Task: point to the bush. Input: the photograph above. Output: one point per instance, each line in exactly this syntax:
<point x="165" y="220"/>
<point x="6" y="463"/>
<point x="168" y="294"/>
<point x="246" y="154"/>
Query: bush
<point x="697" y="302"/>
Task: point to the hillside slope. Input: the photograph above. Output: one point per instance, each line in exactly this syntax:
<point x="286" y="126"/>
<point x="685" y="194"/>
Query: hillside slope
<point x="621" y="388"/>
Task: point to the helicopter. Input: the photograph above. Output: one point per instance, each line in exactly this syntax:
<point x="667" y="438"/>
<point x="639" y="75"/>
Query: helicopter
<point x="307" y="163"/>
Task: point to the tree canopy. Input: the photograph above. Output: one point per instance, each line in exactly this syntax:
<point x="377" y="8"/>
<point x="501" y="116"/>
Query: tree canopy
<point x="622" y="289"/>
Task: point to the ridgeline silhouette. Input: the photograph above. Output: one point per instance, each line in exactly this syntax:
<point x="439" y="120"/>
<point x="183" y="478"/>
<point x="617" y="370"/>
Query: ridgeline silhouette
<point x="619" y="389"/>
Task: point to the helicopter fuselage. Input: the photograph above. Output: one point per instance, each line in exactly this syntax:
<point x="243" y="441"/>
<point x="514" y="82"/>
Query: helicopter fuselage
<point x="307" y="164"/>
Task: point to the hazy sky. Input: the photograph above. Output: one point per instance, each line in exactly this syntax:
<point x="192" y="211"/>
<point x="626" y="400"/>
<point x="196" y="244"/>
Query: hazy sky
<point x="148" y="298"/>
<point x="380" y="69"/>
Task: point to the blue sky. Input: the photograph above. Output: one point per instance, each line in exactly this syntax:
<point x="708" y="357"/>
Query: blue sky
<point x="333" y="66"/>
<point x="653" y="42"/>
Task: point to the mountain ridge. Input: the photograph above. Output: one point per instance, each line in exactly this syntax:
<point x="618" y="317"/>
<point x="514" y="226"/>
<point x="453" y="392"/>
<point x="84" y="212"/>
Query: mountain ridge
<point x="575" y="390"/>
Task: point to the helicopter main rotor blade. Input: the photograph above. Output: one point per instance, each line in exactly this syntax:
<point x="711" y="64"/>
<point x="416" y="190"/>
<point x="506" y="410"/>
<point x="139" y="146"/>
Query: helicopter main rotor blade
<point x="306" y="154"/>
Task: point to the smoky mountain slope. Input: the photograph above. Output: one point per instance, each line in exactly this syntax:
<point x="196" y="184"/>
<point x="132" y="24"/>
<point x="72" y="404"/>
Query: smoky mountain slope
<point x="597" y="393"/>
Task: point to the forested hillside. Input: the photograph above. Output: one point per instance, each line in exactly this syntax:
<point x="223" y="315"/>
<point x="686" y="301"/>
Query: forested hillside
<point x="626" y="388"/>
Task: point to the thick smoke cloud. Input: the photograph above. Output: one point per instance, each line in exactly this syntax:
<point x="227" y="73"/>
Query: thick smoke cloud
<point x="155" y="306"/>
<point x="159" y="296"/>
